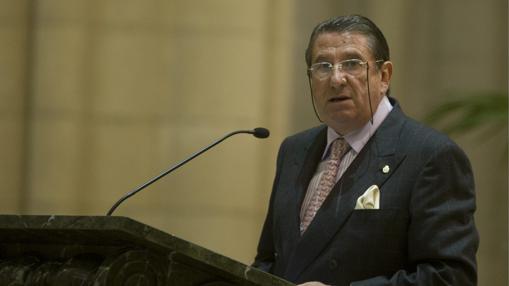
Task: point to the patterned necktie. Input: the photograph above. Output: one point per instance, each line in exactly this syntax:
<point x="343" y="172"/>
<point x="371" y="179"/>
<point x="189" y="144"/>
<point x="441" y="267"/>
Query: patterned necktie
<point x="326" y="183"/>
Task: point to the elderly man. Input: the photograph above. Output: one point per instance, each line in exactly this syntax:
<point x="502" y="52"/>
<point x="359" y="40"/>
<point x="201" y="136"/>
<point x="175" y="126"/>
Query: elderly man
<point x="371" y="197"/>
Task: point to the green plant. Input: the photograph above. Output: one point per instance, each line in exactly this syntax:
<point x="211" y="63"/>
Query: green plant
<point x="460" y="115"/>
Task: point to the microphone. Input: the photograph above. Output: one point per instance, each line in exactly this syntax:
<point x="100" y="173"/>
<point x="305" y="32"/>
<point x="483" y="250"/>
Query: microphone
<point x="259" y="132"/>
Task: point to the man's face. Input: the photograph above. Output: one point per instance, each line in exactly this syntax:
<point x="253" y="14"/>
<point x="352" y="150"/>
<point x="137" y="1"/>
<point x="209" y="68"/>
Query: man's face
<point x="342" y="99"/>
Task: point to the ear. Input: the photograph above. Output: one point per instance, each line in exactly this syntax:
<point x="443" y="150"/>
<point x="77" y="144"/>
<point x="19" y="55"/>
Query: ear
<point x="386" y="70"/>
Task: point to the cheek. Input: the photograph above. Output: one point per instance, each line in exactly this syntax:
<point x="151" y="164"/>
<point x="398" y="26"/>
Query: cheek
<point x="320" y="92"/>
<point x="377" y="83"/>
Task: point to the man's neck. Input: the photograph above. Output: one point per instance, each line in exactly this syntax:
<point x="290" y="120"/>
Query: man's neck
<point x="360" y="136"/>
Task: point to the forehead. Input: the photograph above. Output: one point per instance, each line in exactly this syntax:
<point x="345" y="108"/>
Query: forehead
<point x="342" y="45"/>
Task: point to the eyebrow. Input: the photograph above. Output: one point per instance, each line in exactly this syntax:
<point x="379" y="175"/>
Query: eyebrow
<point x="352" y="55"/>
<point x="320" y="58"/>
<point x="348" y="55"/>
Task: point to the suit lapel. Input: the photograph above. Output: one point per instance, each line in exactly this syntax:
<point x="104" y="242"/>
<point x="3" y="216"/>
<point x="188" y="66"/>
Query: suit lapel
<point x="304" y="166"/>
<point x="365" y="170"/>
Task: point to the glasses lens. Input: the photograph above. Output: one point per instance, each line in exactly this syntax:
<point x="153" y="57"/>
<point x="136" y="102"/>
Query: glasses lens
<point x="321" y="70"/>
<point x="353" y="67"/>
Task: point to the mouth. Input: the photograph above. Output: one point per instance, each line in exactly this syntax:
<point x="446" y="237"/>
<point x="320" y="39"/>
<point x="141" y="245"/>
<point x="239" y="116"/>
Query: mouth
<point x="335" y="99"/>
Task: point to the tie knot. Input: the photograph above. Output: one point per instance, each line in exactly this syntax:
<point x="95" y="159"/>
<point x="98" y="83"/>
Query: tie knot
<point x="338" y="148"/>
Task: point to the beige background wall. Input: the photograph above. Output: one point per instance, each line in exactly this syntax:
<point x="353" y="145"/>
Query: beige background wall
<point x="97" y="97"/>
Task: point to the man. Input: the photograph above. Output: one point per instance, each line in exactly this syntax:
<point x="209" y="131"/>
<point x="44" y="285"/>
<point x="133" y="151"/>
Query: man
<point x="372" y="197"/>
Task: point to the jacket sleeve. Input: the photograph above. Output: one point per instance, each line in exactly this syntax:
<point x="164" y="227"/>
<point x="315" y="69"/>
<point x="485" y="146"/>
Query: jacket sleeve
<point x="266" y="252"/>
<point x="442" y="237"/>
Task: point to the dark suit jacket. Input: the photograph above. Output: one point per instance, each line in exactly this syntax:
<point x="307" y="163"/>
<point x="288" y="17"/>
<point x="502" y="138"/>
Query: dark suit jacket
<point x="423" y="233"/>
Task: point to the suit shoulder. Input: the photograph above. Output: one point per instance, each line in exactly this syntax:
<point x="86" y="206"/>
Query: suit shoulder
<point x="427" y="138"/>
<point x="420" y="130"/>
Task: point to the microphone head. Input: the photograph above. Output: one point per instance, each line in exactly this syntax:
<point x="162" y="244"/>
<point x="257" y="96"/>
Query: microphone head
<point x="261" y="132"/>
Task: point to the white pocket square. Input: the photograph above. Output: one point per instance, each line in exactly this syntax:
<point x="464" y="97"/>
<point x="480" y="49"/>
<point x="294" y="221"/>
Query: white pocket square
<point x="369" y="200"/>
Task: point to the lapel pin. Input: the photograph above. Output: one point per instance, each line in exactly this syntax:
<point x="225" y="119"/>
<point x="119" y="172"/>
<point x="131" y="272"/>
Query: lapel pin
<point x="386" y="169"/>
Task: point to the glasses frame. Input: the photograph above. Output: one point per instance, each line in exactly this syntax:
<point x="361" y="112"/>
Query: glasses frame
<point x="337" y="66"/>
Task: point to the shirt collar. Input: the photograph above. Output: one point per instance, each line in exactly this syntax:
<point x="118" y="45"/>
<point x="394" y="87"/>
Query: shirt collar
<point x="358" y="138"/>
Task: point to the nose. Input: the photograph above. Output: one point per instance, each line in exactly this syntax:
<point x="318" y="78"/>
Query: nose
<point x="337" y="76"/>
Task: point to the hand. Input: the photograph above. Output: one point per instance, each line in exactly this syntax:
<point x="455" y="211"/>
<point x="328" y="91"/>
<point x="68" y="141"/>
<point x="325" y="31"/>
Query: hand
<point x="313" y="283"/>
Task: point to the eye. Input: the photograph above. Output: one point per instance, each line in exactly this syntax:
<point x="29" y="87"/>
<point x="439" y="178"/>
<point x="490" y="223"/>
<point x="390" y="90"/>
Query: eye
<point x="322" y="67"/>
<point x="351" y="64"/>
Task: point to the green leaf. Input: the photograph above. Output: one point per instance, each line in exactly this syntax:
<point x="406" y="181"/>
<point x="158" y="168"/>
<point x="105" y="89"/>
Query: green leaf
<point x="468" y="113"/>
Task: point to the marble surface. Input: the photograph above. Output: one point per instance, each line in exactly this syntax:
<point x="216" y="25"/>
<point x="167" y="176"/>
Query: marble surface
<point x="101" y="250"/>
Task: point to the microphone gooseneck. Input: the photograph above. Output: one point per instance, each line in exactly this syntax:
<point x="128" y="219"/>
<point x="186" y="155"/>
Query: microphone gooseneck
<point x="259" y="132"/>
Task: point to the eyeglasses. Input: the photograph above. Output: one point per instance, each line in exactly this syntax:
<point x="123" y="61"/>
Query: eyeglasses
<point x="324" y="70"/>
